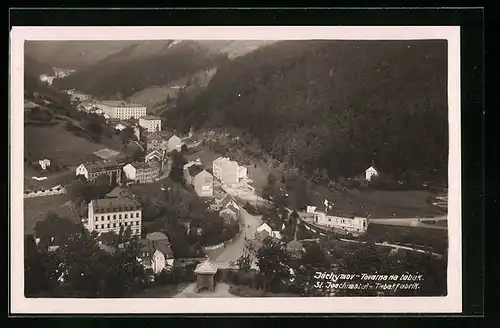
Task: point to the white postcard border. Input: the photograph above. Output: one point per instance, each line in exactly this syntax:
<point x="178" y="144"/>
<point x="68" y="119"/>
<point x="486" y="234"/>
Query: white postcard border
<point x="452" y="303"/>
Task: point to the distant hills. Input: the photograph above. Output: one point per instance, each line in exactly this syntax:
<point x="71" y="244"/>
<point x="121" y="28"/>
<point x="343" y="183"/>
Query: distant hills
<point x="119" y="69"/>
<point x="73" y="54"/>
<point x="336" y="105"/>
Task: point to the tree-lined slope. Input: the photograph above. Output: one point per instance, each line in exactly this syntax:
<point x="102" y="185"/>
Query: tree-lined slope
<point x="141" y="65"/>
<point x="337" y="105"/>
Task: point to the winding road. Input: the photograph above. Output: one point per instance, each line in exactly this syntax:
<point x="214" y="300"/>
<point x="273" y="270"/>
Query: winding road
<point x="234" y="250"/>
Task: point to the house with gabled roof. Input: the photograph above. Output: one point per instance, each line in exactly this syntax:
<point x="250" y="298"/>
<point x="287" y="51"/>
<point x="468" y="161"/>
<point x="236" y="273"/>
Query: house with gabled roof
<point x="155" y="252"/>
<point x="371" y="172"/>
<point x="202" y="181"/>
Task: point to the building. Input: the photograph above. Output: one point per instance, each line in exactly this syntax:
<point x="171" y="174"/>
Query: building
<point x="121" y="110"/>
<point x="142" y="172"/>
<point x="371" y="172"/>
<point x="354" y="223"/>
<point x="156" y="252"/>
<point x="93" y="170"/>
<point x="174" y="143"/>
<point x="202" y="181"/>
<point x="120" y="127"/>
<point x="150" y="123"/>
<point x="163" y="141"/>
<point x="44" y="163"/>
<point x="228" y="171"/>
<point x="154" y="155"/>
<point x="295" y="248"/>
<point x="273" y="232"/>
<point x="111" y="213"/>
<point x="205" y="276"/>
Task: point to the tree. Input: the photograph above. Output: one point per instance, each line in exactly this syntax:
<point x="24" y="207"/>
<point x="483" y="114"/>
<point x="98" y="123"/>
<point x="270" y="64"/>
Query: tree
<point x="126" y="135"/>
<point x="177" y="169"/>
<point x="54" y="230"/>
<point x="244" y="262"/>
<point x="184" y="148"/>
<point x="273" y="262"/>
<point x="313" y="260"/>
<point x="39" y="269"/>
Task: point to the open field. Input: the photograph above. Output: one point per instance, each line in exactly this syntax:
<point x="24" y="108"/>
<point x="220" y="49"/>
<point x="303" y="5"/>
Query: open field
<point x="53" y="178"/>
<point x="60" y="145"/>
<point x="152" y="95"/>
<point x="36" y="208"/>
<point x="67" y="149"/>
<point x="380" y="204"/>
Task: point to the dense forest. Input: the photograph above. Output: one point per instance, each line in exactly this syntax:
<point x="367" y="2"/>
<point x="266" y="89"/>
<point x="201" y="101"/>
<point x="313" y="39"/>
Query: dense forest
<point x="141" y="65"/>
<point x="337" y="105"/>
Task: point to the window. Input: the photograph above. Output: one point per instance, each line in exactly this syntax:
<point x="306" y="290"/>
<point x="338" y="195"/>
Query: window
<point x="97" y="226"/>
<point x="121" y="224"/>
<point x="119" y="216"/>
<point x="109" y="225"/>
<point x="126" y="216"/>
<point x="108" y="217"/>
<point x="102" y="226"/>
<point x="97" y="218"/>
<point x="114" y="225"/>
<point x="137" y="215"/>
<point x="114" y="216"/>
<point x="136" y="222"/>
<point x="137" y="231"/>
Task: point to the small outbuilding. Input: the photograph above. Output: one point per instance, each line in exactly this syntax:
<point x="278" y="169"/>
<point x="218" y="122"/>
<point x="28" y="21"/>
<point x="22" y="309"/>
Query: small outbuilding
<point x="205" y="276"/>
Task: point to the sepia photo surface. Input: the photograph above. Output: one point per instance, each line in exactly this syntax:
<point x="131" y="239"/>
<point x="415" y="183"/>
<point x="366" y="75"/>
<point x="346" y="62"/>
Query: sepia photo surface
<point x="226" y="169"/>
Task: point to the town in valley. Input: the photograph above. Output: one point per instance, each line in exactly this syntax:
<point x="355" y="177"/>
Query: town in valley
<point x="190" y="169"/>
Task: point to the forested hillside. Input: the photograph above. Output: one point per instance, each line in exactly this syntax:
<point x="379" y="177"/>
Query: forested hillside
<point x="73" y="54"/>
<point x="337" y="105"/>
<point x="32" y="71"/>
<point x="144" y="64"/>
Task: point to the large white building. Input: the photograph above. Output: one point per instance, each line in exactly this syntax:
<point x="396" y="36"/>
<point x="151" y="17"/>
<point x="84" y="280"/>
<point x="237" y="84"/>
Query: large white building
<point x="355" y="223"/>
<point x="228" y="171"/>
<point x="121" y="110"/>
<point x="114" y="211"/>
<point x="150" y="123"/>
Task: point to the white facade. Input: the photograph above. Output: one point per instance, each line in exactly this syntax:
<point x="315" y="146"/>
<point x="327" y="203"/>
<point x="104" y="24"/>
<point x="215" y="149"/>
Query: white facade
<point x="174" y="143"/>
<point x="82" y="170"/>
<point x="130" y="172"/>
<point x="355" y="224"/>
<point x="158" y="262"/>
<point x="228" y="171"/>
<point x="122" y="110"/>
<point x="120" y="127"/>
<point x="113" y="220"/>
<point x="273" y="233"/>
<point x="370" y="172"/>
<point x="44" y="163"/>
<point x="150" y="123"/>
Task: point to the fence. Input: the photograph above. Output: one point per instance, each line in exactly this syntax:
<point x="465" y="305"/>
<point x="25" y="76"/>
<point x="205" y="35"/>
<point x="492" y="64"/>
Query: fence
<point x="58" y="190"/>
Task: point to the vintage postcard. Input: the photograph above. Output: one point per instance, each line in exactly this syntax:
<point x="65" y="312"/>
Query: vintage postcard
<point x="235" y="169"/>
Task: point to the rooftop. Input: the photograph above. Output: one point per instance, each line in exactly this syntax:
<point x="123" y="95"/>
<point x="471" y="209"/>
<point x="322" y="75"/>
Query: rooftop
<point x="194" y="170"/>
<point x="141" y="165"/>
<point x="154" y="236"/>
<point x="206" y="267"/>
<point x="119" y="103"/>
<point x="118" y="204"/>
<point x="150" y="118"/>
<point x="166" y="250"/>
<point x="102" y="166"/>
<point x="117" y="192"/>
<point x="295" y="244"/>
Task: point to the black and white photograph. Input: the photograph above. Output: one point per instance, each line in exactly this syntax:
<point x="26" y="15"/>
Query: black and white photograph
<point x="191" y="167"/>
